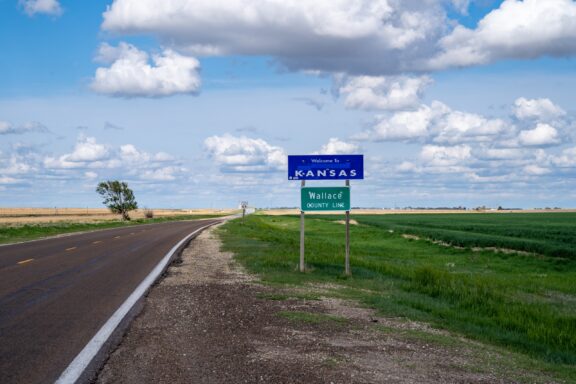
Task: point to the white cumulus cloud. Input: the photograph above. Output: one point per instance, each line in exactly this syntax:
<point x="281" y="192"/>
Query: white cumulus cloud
<point x="127" y="160"/>
<point x="538" y="109"/>
<point x="456" y="126"/>
<point x="542" y="135"/>
<point x="16" y="165"/>
<point x="382" y="93"/>
<point x="48" y="7"/>
<point x="336" y="146"/>
<point x="406" y="167"/>
<point x="437" y="123"/>
<point x="516" y="30"/>
<point x="406" y="125"/>
<point x="86" y="152"/>
<point x="131" y="74"/>
<point x="162" y="174"/>
<point x="442" y="156"/>
<point x="243" y="154"/>
<point x="360" y="36"/>
<point x="567" y="159"/>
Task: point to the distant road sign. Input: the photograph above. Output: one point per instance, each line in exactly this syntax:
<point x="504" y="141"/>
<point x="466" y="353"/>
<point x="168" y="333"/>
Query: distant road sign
<point x="325" y="199"/>
<point x="325" y="167"/>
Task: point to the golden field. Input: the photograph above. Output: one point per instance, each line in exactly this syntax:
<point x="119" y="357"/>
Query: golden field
<point x="47" y="215"/>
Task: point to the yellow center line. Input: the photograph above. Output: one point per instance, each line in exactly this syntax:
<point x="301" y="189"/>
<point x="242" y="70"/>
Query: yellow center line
<point x="97" y="242"/>
<point x="71" y="249"/>
<point x="25" y="261"/>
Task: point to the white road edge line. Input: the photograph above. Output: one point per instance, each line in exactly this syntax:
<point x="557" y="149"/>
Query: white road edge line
<point x="76" y="368"/>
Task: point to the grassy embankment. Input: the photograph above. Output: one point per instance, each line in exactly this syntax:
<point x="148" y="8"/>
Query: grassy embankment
<point x="12" y="233"/>
<point x="522" y="302"/>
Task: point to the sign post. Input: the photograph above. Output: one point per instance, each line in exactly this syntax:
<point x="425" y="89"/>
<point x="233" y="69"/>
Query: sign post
<point x="325" y="167"/>
<point x="244" y="205"/>
<point x="347" y="258"/>
<point x="302" y="185"/>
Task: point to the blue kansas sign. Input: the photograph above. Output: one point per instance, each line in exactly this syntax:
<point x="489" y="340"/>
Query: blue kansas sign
<point x="326" y="167"/>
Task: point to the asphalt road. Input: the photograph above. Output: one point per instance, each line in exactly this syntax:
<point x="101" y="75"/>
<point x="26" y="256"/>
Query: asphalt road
<point x="55" y="294"/>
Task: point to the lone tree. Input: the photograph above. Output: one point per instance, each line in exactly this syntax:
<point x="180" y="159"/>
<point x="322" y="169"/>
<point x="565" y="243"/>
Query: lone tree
<point x="118" y="197"/>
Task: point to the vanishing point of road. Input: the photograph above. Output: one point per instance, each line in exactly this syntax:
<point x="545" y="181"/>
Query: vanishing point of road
<point x="56" y="293"/>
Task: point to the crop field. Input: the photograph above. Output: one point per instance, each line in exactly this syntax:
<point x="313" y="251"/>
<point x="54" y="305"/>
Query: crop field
<point x="504" y="279"/>
<point x="550" y="234"/>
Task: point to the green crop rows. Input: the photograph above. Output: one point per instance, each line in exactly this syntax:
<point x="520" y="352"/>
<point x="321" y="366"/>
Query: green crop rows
<point x="550" y="234"/>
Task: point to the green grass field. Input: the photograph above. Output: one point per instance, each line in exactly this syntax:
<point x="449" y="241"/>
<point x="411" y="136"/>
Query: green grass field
<point x="25" y="232"/>
<point x="523" y="302"/>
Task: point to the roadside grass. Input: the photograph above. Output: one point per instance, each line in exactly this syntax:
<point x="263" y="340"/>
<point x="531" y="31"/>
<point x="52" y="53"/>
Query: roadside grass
<point x="423" y="336"/>
<point x="278" y="296"/>
<point x="523" y="303"/>
<point x="13" y="233"/>
<point x="312" y="318"/>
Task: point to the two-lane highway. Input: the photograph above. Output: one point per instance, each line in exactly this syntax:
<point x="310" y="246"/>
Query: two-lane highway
<point x="55" y="294"/>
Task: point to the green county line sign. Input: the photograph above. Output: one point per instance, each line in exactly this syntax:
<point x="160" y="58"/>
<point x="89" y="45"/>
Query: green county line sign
<point x="325" y="199"/>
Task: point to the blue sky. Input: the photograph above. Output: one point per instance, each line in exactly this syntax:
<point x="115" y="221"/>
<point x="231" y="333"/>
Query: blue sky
<point x="197" y="103"/>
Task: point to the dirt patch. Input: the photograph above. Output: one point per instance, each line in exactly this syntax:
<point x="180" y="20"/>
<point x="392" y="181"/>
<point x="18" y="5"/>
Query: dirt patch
<point x="502" y="250"/>
<point x="473" y="249"/>
<point x="343" y="222"/>
<point x="209" y="321"/>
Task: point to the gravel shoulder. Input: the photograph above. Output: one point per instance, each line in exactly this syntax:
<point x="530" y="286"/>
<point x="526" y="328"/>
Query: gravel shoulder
<point x="208" y="321"/>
